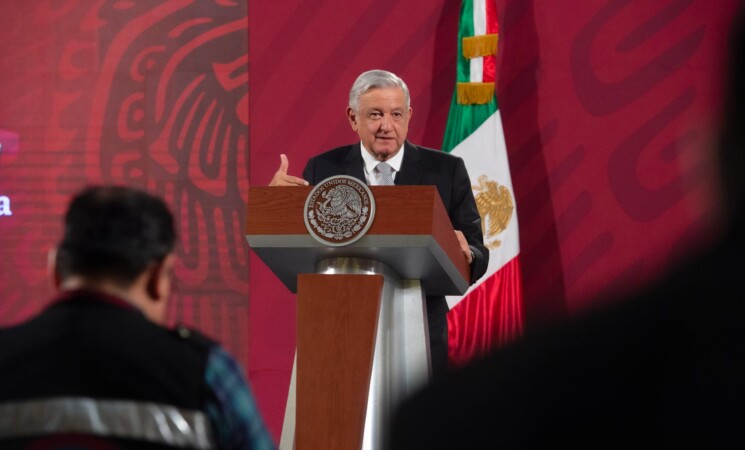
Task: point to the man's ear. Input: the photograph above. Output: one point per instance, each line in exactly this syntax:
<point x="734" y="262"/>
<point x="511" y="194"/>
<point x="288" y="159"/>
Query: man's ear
<point x="160" y="279"/>
<point x="158" y="287"/>
<point x="352" y="116"/>
<point x="52" y="275"/>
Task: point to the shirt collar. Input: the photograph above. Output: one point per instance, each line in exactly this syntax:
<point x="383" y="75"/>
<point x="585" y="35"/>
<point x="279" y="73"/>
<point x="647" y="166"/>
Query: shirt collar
<point x="371" y="162"/>
<point x="89" y="294"/>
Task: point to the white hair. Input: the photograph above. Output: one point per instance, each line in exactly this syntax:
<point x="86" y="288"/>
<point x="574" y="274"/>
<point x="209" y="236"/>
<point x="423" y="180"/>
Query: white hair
<point x="373" y="79"/>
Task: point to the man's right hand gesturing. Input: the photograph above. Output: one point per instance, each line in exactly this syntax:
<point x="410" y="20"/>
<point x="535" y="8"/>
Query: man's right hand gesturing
<point x="281" y="178"/>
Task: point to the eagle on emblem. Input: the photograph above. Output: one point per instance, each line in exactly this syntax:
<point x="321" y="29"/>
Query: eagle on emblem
<point x="343" y="202"/>
<point x="495" y="206"/>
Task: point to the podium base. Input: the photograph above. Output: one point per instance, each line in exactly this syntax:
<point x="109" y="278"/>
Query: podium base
<point x="397" y="365"/>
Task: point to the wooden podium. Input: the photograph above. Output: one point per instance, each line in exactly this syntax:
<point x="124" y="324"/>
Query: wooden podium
<point x="362" y="339"/>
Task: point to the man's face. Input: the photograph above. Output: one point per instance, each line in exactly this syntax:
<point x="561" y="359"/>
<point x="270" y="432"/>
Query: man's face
<point x="382" y="121"/>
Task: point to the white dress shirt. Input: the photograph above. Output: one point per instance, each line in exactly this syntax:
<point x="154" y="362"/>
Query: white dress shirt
<point x="371" y="175"/>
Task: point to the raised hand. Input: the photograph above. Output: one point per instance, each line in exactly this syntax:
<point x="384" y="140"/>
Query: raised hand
<point x="281" y="178"/>
<point x="464" y="246"/>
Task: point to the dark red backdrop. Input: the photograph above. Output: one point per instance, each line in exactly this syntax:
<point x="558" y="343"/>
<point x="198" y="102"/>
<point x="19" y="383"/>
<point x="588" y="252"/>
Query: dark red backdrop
<point x="152" y="94"/>
<point x="609" y="109"/>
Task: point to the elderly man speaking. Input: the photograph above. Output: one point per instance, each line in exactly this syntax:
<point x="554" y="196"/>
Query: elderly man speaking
<point x="379" y="112"/>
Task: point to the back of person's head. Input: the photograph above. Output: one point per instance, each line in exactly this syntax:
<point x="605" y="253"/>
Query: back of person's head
<point x="375" y="79"/>
<point x="114" y="233"/>
<point x="732" y="134"/>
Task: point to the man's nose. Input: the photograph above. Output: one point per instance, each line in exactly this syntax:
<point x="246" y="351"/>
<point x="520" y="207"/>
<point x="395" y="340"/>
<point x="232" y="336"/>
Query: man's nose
<point x="385" y="123"/>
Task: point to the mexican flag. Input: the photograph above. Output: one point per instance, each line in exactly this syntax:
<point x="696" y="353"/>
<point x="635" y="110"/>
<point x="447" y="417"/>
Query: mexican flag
<point x="489" y="314"/>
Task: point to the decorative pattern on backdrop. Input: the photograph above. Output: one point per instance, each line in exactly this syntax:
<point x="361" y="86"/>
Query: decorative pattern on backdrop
<point x="151" y="94"/>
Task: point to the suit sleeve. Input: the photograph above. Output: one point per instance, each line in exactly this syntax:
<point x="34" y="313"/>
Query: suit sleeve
<point x="309" y="173"/>
<point x="465" y="217"/>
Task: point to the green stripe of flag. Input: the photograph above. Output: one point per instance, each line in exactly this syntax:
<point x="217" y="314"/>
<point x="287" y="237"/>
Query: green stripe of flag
<point x="464" y="119"/>
<point x="465" y="29"/>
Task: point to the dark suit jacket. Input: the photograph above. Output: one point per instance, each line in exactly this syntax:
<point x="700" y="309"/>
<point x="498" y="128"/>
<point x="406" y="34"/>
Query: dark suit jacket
<point x="420" y="166"/>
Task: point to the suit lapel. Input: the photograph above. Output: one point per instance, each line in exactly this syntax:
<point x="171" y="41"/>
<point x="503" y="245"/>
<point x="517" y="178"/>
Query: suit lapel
<point x="411" y="170"/>
<point x="354" y="165"/>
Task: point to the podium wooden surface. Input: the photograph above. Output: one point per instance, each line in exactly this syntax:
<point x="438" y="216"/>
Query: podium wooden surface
<point x="411" y="232"/>
<point x="357" y="353"/>
<point x="335" y="348"/>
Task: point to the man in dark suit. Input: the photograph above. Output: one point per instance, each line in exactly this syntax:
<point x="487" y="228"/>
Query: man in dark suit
<point x="663" y="369"/>
<point x="379" y="111"/>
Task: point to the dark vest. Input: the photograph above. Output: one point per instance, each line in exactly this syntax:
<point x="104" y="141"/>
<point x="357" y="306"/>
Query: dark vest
<point x="97" y="356"/>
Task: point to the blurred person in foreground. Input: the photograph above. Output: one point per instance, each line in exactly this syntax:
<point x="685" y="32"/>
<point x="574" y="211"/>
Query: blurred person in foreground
<point x="664" y="369"/>
<point x="97" y="368"/>
<point x="379" y="111"/>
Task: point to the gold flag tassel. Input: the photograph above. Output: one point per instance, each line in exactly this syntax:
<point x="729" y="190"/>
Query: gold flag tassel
<point x="478" y="46"/>
<point x="475" y="93"/>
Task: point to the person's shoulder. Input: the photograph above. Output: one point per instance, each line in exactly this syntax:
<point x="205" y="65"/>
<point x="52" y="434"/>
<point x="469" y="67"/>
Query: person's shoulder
<point x="409" y="145"/>
<point x="191" y="337"/>
<point x="432" y="153"/>
<point x="334" y="153"/>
